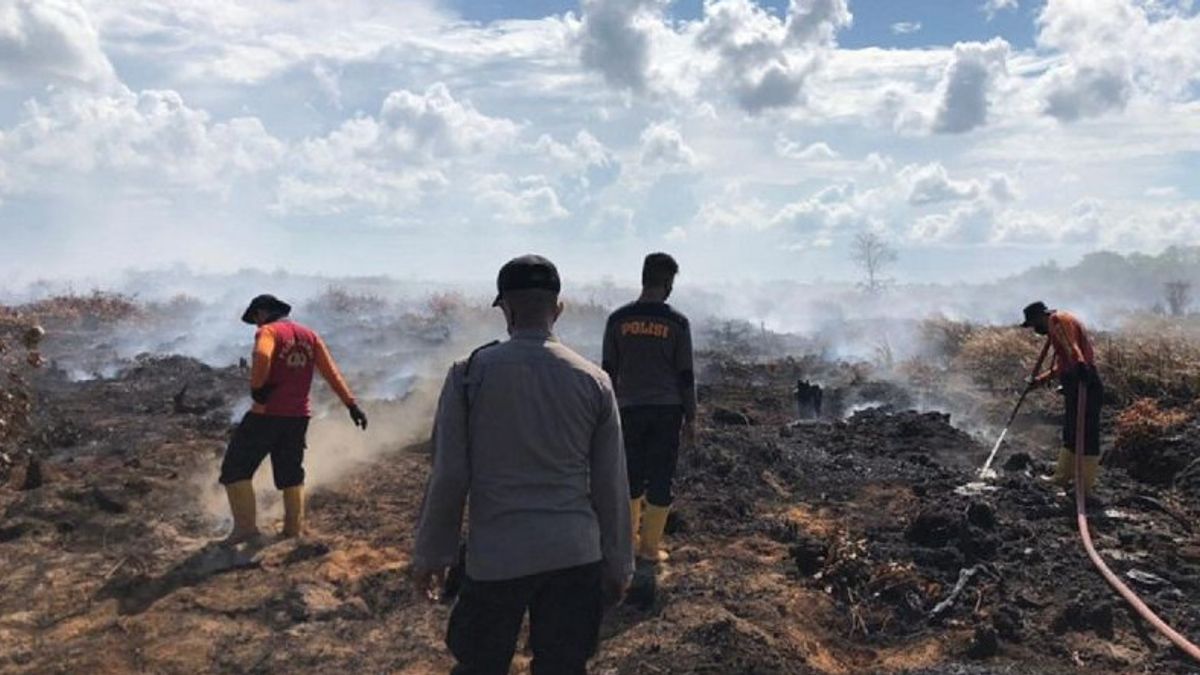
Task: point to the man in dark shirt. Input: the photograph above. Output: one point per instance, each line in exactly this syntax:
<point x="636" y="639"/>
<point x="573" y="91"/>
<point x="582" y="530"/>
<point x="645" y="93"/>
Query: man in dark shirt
<point x="648" y="355"/>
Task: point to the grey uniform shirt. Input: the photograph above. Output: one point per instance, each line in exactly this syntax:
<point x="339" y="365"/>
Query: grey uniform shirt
<point x="648" y="354"/>
<point x="531" y="436"/>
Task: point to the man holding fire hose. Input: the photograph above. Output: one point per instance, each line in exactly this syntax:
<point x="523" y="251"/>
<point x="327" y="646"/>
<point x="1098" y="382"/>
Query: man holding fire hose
<point x="1074" y="366"/>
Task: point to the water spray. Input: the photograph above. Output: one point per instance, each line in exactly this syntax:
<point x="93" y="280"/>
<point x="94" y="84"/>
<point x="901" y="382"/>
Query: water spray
<point x="986" y="472"/>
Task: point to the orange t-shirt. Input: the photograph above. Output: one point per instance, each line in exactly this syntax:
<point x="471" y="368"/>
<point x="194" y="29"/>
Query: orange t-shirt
<point x="286" y="355"/>
<point x="1070" y="342"/>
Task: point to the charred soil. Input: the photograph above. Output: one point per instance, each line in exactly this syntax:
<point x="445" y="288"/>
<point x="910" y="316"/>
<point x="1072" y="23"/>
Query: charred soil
<point x="843" y="544"/>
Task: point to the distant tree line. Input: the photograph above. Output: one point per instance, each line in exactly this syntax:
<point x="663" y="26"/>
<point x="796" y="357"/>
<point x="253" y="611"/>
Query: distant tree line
<point x="1164" y="282"/>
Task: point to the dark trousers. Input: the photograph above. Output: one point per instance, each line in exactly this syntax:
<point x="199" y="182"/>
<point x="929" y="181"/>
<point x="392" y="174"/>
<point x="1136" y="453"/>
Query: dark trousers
<point x="651" y="450"/>
<point x="1095" y="400"/>
<point x="565" y="608"/>
<point x="283" y="438"/>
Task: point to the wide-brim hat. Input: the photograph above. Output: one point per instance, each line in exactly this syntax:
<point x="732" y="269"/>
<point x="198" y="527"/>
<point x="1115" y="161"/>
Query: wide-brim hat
<point x="268" y="302"/>
<point x="1033" y="311"/>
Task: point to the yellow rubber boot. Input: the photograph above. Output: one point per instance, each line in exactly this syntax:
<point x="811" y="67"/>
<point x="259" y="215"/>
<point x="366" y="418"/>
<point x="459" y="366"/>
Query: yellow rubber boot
<point x="1064" y="471"/>
<point x="243" y="508"/>
<point x="293" y="511"/>
<point x="635" y="516"/>
<point x="1091" y="471"/>
<point x="654" y="522"/>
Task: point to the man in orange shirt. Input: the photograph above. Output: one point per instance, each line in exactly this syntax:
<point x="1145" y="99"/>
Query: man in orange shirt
<point x="286" y="355"/>
<point x="1074" y="366"/>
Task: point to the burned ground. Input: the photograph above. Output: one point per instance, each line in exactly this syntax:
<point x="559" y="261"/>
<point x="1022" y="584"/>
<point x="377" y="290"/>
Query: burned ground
<point x="839" y="545"/>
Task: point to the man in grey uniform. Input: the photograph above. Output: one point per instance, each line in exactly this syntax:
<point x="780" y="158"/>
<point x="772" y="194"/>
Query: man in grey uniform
<point x="648" y="354"/>
<point x="531" y="432"/>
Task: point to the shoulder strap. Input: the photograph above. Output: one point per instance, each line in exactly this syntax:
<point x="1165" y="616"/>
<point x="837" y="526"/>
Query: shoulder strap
<point x="471" y="358"/>
<point x="467" y="372"/>
<point x="466" y="389"/>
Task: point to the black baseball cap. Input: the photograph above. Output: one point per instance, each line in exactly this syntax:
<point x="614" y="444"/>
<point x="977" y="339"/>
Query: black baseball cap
<point x="1033" y="311"/>
<point x="268" y="302"/>
<point x="528" y="272"/>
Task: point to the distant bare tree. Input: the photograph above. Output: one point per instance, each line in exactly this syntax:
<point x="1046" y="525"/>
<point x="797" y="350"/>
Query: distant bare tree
<point x="873" y="255"/>
<point x="1178" y="295"/>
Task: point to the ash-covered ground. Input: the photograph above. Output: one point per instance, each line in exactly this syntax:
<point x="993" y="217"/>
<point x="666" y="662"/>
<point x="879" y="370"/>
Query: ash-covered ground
<point x="843" y="544"/>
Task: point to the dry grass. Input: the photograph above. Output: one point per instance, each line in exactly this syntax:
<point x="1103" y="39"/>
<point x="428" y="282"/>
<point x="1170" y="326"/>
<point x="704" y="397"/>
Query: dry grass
<point x="68" y="312"/>
<point x="1157" y="361"/>
<point x="945" y="337"/>
<point x="340" y="302"/>
<point x="1144" y="424"/>
<point x="1165" y="366"/>
<point x="998" y="359"/>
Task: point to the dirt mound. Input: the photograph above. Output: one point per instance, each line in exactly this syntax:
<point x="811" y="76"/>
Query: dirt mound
<point x="923" y="438"/>
<point x="1155" y="443"/>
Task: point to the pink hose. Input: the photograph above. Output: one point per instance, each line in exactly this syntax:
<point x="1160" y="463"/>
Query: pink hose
<point x="1081" y="514"/>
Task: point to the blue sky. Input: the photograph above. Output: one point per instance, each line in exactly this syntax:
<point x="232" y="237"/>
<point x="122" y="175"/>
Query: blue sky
<point x="943" y="22"/>
<point x="433" y="138"/>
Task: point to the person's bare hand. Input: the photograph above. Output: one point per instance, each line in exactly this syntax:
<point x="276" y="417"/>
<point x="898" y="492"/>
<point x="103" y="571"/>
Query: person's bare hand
<point x="615" y="590"/>
<point x="429" y="582"/>
<point x="689" y="434"/>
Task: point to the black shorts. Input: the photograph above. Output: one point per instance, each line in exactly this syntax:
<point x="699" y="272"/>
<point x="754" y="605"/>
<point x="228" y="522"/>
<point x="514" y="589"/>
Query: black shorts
<point x="652" y="450"/>
<point x="1094" y="390"/>
<point x="283" y="438"/>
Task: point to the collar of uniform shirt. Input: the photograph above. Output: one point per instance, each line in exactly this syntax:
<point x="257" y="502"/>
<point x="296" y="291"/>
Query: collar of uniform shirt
<point x="533" y="334"/>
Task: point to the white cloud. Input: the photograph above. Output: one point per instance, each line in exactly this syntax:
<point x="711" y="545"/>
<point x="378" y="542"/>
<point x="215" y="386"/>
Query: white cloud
<point x="676" y="234"/>
<point x="434" y="123"/>
<point x="151" y="134"/>
<point x="1075" y="91"/>
<point x="662" y="146"/>
<point x="993" y="7"/>
<point x="585" y="155"/>
<point x="969" y="224"/>
<point x="328" y="83"/>
<point x="1163" y="192"/>
<point x="878" y="163"/>
<point x="397" y="159"/>
<point x="1088" y="222"/>
<point x="733" y="209"/>
<point x="817" y="21"/>
<point x="906" y="27"/>
<point x="1114" y="50"/>
<point x="819" y="150"/>
<point x="354" y="168"/>
<point x="53" y="40"/>
<point x="617" y="38"/>
<point x="931" y="184"/>
<point x="966" y="87"/>
<point x="830" y="212"/>
<point x="614" y="219"/>
<point x="348" y="188"/>
<point x="243" y="42"/>
<point x="762" y="60"/>
<point x="1001" y="189"/>
<point x="526" y="201"/>
<point x="343" y="113"/>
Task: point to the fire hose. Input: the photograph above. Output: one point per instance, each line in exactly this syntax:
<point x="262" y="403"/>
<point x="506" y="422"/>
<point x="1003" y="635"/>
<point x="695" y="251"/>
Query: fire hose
<point x="1081" y="515"/>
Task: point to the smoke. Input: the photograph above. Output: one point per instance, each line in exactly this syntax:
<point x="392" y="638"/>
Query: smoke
<point x="395" y="339"/>
<point x="336" y="449"/>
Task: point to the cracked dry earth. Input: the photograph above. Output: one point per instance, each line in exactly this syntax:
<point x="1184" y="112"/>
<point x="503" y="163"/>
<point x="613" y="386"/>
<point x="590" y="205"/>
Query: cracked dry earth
<point x="839" y="546"/>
